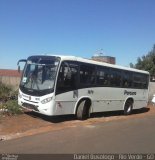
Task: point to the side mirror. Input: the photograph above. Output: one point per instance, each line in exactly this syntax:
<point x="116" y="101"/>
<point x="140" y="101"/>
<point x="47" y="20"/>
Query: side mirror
<point x="19" y="68"/>
<point x="22" y="60"/>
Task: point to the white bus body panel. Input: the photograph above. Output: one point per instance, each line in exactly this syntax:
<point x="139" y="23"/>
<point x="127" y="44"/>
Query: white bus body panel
<point x="65" y="103"/>
<point x="103" y="99"/>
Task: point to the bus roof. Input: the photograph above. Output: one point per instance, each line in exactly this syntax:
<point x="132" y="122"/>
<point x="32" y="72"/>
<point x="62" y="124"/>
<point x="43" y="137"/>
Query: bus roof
<point x="85" y="60"/>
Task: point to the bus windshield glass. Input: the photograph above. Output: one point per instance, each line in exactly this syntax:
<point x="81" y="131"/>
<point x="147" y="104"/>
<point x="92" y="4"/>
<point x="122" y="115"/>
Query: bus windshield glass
<point x="40" y="73"/>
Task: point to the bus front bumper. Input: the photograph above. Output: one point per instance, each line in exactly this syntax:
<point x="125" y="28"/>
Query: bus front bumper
<point x="36" y="105"/>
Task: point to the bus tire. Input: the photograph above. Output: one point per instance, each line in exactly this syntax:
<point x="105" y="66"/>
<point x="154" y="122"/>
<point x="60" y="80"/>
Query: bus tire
<point x="83" y="110"/>
<point x="128" y="107"/>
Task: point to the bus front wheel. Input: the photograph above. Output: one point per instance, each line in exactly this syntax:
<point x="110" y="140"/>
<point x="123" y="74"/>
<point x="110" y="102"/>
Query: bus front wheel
<point x="128" y="107"/>
<point x="83" y="110"/>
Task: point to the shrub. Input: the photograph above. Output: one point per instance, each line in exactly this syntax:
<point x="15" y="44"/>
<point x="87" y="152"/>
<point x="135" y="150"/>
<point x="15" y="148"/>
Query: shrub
<point x="13" y="107"/>
<point x="4" y="92"/>
<point x="10" y="108"/>
<point x="8" y="101"/>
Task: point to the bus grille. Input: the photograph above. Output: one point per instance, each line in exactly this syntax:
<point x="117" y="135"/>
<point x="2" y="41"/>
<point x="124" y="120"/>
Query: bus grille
<point x="30" y="106"/>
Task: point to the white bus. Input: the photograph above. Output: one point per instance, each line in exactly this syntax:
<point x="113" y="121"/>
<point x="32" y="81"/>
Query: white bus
<point x="60" y="85"/>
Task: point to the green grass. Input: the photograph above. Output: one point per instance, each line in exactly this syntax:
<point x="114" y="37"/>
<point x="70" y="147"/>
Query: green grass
<point x="13" y="107"/>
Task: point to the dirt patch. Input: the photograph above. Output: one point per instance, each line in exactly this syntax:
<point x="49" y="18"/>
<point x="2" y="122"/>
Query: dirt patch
<point x="33" y="123"/>
<point x="20" y="123"/>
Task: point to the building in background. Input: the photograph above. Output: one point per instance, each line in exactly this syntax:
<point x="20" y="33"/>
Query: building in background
<point x="10" y="78"/>
<point x="102" y="58"/>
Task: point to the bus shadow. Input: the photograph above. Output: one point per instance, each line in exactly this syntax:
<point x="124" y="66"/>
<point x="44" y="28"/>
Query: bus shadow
<point x="52" y="119"/>
<point x="106" y="114"/>
<point x="118" y="113"/>
<point x="142" y="110"/>
<point x="64" y="118"/>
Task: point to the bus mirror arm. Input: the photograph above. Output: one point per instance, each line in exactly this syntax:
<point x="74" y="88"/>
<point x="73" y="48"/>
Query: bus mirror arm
<point x="18" y="68"/>
<point x="22" y="60"/>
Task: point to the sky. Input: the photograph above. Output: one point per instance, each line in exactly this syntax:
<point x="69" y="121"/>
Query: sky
<point x="124" y="29"/>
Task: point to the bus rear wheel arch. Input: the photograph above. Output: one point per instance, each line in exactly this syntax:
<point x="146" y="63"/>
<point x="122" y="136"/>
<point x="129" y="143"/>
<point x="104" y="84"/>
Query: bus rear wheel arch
<point x="83" y="109"/>
<point x="128" y="107"/>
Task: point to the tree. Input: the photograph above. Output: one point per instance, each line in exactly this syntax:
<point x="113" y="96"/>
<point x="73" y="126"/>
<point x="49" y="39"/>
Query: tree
<point x="146" y="62"/>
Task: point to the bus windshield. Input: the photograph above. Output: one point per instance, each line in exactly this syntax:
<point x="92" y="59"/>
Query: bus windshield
<point x="40" y="74"/>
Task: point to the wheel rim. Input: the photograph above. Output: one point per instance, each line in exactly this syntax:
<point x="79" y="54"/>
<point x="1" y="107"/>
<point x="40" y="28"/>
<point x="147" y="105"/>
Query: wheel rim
<point x="129" y="109"/>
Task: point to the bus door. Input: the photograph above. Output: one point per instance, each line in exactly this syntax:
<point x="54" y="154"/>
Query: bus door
<point x="67" y="88"/>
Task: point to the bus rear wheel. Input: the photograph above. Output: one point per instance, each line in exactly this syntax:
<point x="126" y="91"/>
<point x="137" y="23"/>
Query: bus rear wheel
<point x="128" y="107"/>
<point x="83" y="110"/>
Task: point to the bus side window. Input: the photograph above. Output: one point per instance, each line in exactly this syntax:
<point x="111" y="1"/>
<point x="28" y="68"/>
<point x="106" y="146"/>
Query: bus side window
<point x="127" y="79"/>
<point x="67" y="77"/>
<point x="145" y="81"/>
<point x="115" y="78"/>
<point x="140" y="81"/>
<point x="87" y="75"/>
<point x="103" y="76"/>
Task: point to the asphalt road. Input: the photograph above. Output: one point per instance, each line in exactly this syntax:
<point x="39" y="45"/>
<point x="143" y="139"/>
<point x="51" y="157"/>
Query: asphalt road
<point x="131" y="135"/>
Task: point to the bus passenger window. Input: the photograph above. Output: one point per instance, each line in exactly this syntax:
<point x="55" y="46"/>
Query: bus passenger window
<point x="127" y="79"/>
<point x="87" y="74"/>
<point x="102" y="76"/>
<point x="67" y="77"/>
<point x="140" y="81"/>
<point x="115" y="78"/>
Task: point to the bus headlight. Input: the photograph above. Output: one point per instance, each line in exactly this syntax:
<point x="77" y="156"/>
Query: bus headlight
<point x="46" y="100"/>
